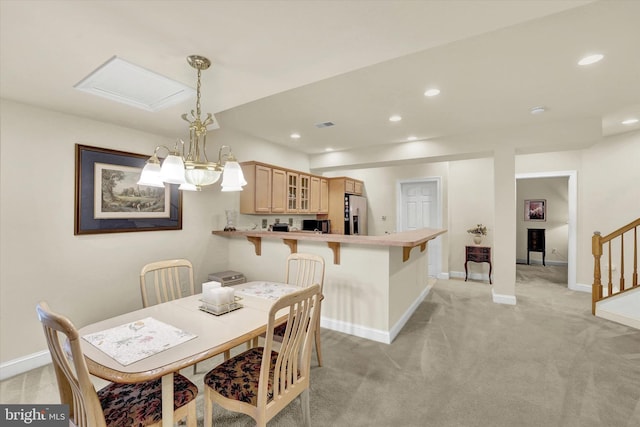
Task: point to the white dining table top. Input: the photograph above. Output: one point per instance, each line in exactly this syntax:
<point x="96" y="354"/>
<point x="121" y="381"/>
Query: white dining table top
<point x="214" y="335"/>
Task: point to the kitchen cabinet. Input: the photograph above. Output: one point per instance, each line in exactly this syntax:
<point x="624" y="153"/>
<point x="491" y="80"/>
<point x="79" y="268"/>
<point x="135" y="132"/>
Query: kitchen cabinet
<point x="272" y="190"/>
<point x="304" y="193"/>
<point x="337" y="188"/>
<point x="266" y="189"/>
<point x="319" y="195"/>
<point x="292" y="192"/>
<point x="348" y="185"/>
<point x="324" y="196"/>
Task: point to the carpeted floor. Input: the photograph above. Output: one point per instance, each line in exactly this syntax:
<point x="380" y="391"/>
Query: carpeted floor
<point x="463" y="360"/>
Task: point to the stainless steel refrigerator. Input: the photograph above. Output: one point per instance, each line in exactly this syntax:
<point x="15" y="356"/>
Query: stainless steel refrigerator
<point x="355" y="215"/>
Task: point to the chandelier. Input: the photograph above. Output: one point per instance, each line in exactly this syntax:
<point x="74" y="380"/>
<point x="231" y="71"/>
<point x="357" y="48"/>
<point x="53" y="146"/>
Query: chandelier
<point x="189" y="165"/>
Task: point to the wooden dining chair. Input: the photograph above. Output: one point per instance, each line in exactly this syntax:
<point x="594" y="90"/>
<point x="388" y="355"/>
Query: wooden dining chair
<point x="260" y="382"/>
<point x="163" y="281"/>
<point x="304" y="270"/>
<point x="115" y="405"/>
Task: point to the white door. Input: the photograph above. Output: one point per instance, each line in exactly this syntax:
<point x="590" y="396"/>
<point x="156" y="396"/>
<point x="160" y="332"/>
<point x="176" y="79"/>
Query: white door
<point x="420" y="208"/>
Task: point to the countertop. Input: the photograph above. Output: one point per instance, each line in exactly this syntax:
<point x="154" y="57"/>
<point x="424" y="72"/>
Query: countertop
<point x="404" y="238"/>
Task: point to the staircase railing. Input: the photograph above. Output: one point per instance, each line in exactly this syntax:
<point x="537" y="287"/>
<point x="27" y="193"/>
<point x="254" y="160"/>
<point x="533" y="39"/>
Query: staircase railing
<point x="598" y="242"/>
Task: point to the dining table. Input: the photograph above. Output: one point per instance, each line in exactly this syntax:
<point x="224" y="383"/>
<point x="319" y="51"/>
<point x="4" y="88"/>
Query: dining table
<point x="202" y="335"/>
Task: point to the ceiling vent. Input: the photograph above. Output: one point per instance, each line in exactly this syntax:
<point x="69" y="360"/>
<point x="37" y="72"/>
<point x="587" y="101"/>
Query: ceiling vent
<point x="324" y="125"/>
<point x="122" y="81"/>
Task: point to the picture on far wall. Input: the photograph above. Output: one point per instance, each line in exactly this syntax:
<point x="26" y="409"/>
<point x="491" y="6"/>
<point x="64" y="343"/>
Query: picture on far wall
<point x="535" y="210"/>
<point x="109" y="199"/>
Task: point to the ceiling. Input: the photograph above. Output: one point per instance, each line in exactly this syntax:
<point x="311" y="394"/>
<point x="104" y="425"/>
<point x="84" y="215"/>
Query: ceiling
<point x="281" y="67"/>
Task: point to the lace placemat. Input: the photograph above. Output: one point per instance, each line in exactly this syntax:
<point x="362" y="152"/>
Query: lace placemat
<point x="268" y="290"/>
<point x="137" y="340"/>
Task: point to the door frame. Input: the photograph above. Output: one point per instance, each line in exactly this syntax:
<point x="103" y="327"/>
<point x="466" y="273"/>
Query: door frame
<point x="435" y="244"/>
<point x="572" y="243"/>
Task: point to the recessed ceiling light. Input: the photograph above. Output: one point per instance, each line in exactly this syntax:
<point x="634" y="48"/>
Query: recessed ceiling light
<point x="328" y="149"/>
<point x="538" y="110"/>
<point x="295" y="136"/>
<point x="412" y="138"/>
<point x="591" y="59"/>
<point x="432" y="92"/>
<point x="630" y="121"/>
<point x="395" y="118"/>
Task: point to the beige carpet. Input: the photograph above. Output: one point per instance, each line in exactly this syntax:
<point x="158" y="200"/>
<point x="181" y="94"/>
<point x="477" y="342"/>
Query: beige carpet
<point x="464" y="361"/>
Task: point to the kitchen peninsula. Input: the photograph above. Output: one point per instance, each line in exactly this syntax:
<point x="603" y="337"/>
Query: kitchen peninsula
<point x="372" y="283"/>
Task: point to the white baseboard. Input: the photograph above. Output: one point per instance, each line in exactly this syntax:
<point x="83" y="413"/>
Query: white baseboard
<point x="539" y="262"/>
<point x="377" y="335"/>
<point x="503" y="299"/>
<point x="581" y="287"/>
<point x="472" y="276"/>
<point x="24" y="364"/>
<point x="372" y="334"/>
<point x="443" y="276"/>
<point x="395" y="330"/>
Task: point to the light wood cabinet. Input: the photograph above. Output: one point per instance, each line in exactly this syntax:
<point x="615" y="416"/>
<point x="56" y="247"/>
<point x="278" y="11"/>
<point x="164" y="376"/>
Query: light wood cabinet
<point x="324" y="196"/>
<point x="304" y="189"/>
<point x="357" y="187"/>
<point x="278" y="191"/>
<point x="314" y="205"/>
<point x="273" y="190"/>
<point x="292" y="192"/>
<point x="266" y="189"/>
<point x="338" y="187"/>
<point x="319" y="195"/>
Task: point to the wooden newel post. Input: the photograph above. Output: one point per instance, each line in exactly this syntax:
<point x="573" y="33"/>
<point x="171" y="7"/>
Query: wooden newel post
<point x="596" y="289"/>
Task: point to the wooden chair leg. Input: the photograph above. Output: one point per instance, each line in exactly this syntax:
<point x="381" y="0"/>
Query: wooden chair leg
<point x="306" y="413"/>
<point x="192" y="418"/>
<point x="318" y="349"/>
<point x="208" y="408"/>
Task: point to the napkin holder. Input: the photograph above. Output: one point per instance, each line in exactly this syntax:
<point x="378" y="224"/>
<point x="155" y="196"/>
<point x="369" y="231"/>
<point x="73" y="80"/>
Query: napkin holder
<point x="218" y="300"/>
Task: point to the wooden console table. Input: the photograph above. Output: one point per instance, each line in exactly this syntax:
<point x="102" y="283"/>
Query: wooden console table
<point x="536" y="242"/>
<point x="477" y="254"/>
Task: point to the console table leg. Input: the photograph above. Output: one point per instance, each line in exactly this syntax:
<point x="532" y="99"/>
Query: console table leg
<point x="490" y="268"/>
<point x="465" y="271"/>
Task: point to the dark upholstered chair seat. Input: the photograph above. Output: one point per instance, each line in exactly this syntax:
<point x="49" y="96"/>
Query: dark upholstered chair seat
<point x="140" y="404"/>
<point x="238" y="377"/>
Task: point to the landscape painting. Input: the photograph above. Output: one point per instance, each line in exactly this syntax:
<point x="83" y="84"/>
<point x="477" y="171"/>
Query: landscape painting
<point x="121" y="197"/>
<point x="108" y="198"/>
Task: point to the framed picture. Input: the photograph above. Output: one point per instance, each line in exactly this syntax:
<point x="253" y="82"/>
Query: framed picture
<point x="109" y="200"/>
<point x="535" y="210"/>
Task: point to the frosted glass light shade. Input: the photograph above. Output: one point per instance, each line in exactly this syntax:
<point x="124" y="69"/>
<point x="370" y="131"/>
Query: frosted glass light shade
<point x="172" y="170"/>
<point x="150" y="175"/>
<point x="202" y="174"/>
<point x="189" y="187"/>
<point x="232" y="177"/>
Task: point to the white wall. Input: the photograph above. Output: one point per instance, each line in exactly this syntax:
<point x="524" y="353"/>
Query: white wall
<point x="89" y="277"/>
<point x="608" y="175"/>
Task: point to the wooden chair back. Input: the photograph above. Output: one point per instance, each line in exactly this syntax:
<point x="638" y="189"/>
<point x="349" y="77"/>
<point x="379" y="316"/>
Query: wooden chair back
<point x="163" y="281"/>
<point x="304" y="270"/>
<point x="292" y="366"/>
<point x="74" y="381"/>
